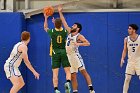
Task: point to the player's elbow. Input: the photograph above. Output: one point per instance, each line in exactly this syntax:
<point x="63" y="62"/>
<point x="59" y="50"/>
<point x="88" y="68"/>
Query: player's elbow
<point x="26" y="60"/>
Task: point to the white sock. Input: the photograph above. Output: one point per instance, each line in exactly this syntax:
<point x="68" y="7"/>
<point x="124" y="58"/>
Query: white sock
<point x="75" y="90"/>
<point x="90" y="85"/>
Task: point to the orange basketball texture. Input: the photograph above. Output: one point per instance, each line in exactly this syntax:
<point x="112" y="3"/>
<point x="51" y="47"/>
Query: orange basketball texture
<point x="48" y="11"/>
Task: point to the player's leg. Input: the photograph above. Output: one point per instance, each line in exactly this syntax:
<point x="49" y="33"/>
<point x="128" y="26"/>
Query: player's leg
<point x="17" y="82"/>
<point x="126" y="83"/>
<point x="74" y="82"/>
<point x="85" y="73"/>
<point x="74" y="71"/>
<point x="88" y="79"/>
<point x="66" y="66"/>
<point x="68" y="80"/>
<point x="56" y="63"/>
<point x="137" y="68"/>
<point x="55" y="79"/>
<point x="130" y="70"/>
<point x="68" y="73"/>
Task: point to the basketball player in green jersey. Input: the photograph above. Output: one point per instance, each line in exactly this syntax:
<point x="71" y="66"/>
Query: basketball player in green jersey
<point x="59" y="57"/>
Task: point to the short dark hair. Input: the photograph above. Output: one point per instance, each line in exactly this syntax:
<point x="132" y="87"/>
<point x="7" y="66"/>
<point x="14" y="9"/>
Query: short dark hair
<point x="134" y="26"/>
<point x="79" y="26"/>
<point x="25" y="35"/>
<point x="58" y="23"/>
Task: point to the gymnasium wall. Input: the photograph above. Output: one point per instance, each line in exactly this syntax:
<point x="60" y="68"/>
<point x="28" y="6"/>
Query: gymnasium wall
<point x="105" y="31"/>
<point x="11" y="26"/>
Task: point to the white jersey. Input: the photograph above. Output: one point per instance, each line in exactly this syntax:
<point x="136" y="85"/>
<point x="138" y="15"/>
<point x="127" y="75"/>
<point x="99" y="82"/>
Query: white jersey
<point x="70" y="44"/>
<point x="133" y="49"/>
<point x="73" y="54"/>
<point x="15" y="57"/>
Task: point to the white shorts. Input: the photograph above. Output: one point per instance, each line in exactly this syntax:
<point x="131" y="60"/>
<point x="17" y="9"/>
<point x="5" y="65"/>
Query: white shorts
<point x="133" y="68"/>
<point x="76" y="62"/>
<point x="11" y="71"/>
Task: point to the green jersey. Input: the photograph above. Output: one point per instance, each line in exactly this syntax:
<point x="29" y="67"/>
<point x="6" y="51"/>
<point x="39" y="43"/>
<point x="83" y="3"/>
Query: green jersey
<point x="58" y="38"/>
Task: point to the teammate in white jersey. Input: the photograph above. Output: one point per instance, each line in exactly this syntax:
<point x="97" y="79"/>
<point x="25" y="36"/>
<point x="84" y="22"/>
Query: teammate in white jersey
<point x="132" y="46"/>
<point x="18" y="53"/>
<point x="74" y="40"/>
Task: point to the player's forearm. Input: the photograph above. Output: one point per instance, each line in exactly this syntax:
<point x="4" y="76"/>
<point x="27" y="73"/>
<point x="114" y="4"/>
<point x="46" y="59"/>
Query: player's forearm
<point x="64" y="21"/>
<point x="30" y="67"/>
<point x="123" y="54"/>
<point x="84" y="44"/>
<point x="46" y="24"/>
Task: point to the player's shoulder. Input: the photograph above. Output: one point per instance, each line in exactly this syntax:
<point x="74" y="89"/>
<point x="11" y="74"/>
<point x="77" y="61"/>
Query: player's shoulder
<point x="23" y="46"/>
<point x="80" y="35"/>
<point x="126" y="38"/>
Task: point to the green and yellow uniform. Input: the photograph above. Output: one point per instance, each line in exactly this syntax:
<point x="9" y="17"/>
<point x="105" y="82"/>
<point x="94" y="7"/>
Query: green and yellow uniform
<point x="58" y="51"/>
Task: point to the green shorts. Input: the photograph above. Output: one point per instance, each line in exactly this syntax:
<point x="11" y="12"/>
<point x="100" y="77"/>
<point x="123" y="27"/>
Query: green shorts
<point x="59" y="57"/>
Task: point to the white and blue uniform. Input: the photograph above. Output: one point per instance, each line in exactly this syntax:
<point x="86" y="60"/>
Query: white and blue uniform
<point x="13" y="62"/>
<point x="133" y="65"/>
<point x="73" y="54"/>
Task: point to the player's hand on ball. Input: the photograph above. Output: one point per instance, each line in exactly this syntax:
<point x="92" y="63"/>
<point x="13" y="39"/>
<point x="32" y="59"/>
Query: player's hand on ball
<point x="46" y="16"/>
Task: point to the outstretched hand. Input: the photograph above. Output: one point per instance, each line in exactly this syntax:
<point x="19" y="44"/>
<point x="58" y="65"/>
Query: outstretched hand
<point x="60" y="8"/>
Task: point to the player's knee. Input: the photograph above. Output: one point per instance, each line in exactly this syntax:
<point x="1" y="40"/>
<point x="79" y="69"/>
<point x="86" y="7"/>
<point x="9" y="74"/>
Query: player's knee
<point x="55" y="78"/>
<point x="84" y="72"/>
<point x="20" y="85"/>
<point x="73" y="76"/>
<point x="127" y="79"/>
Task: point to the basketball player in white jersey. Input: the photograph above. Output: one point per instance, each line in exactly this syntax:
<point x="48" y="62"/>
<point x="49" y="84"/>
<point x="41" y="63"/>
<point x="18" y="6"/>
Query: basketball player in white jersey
<point x="74" y="40"/>
<point x="18" y="53"/>
<point x="132" y="46"/>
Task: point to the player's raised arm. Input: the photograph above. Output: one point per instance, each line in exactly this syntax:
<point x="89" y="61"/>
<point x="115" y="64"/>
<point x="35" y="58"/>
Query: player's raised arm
<point x="124" y="52"/>
<point x="63" y="19"/>
<point x="46" y="23"/>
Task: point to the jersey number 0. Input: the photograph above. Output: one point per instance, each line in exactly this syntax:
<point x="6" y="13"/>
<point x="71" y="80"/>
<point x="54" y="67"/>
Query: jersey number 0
<point x="59" y="39"/>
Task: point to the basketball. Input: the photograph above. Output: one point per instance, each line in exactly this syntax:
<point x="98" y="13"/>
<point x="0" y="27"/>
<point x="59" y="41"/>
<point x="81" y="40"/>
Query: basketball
<point x="48" y="11"/>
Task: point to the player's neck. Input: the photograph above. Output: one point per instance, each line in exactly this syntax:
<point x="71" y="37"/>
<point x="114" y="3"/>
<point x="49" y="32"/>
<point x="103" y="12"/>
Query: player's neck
<point x="26" y="43"/>
<point x="134" y="36"/>
<point x="73" y="34"/>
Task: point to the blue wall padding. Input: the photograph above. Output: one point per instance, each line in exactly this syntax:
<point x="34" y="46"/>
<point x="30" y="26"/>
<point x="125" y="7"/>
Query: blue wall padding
<point x="11" y="26"/>
<point x="105" y="31"/>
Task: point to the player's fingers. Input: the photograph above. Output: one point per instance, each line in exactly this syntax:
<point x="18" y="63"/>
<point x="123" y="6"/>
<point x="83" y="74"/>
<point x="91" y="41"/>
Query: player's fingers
<point x="121" y="64"/>
<point x="38" y="77"/>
